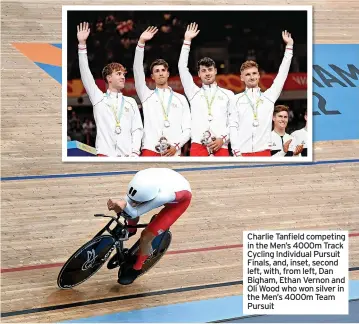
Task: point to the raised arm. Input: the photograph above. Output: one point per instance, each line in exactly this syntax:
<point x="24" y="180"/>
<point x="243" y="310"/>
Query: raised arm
<point x="140" y="79"/>
<point x="275" y="90"/>
<point x="190" y="88"/>
<point x="94" y="93"/>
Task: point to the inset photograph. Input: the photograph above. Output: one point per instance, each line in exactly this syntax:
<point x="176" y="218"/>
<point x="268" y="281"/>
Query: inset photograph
<point x="187" y="84"/>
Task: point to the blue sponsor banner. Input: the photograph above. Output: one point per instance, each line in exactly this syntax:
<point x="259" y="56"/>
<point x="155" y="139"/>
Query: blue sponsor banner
<point x="335" y="92"/>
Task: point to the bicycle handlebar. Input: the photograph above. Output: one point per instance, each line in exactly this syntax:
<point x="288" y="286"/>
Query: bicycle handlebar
<point x="123" y="215"/>
<point x="103" y="215"/>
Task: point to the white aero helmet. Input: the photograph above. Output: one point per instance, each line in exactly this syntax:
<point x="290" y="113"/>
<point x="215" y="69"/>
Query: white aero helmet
<point x="143" y="187"/>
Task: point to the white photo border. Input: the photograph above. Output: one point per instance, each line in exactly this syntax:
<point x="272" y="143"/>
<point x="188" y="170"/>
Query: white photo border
<point x="230" y="159"/>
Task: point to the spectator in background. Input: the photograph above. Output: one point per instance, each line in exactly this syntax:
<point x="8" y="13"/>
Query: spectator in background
<point x="74" y="120"/>
<point x="301" y="137"/>
<point x="124" y="27"/>
<point x="239" y="35"/>
<point x="77" y="134"/>
<point x="282" y="144"/>
<point x="88" y="130"/>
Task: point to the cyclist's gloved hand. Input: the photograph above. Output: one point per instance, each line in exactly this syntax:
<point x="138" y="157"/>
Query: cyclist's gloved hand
<point x="124" y="215"/>
<point x="116" y="205"/>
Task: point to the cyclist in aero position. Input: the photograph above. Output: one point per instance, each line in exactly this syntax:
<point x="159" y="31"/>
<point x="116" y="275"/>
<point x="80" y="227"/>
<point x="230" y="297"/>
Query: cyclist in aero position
<point x="149" y="189"/>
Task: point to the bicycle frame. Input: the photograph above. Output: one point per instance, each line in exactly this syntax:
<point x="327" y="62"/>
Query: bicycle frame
<point x="91" y="256"/>
<point x="119" y="233"/>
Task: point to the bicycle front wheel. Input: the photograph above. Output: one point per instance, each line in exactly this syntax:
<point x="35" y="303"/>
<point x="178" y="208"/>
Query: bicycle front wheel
<point x="86" y="261"/>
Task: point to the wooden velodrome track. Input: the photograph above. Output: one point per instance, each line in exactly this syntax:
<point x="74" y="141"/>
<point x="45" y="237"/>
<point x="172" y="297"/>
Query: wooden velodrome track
<point x="45" y="220"/>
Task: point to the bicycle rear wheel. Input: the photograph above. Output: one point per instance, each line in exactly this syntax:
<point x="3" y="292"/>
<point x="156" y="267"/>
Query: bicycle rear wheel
<point x="86" y="261"/>
<point x="160" y="246"/>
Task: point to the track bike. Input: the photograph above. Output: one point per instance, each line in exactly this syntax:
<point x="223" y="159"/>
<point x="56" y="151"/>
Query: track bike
<point x="89" y="258"/>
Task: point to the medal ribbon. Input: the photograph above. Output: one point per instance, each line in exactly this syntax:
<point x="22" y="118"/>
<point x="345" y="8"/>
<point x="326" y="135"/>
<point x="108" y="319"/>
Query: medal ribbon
<point x="118" y="114"/>
<point x="209" y="104"/>
<point x="254" y="109"/>
<point x="165" y="111"/>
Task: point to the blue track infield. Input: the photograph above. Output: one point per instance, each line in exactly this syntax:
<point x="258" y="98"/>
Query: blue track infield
<point x="224" y="309"/>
